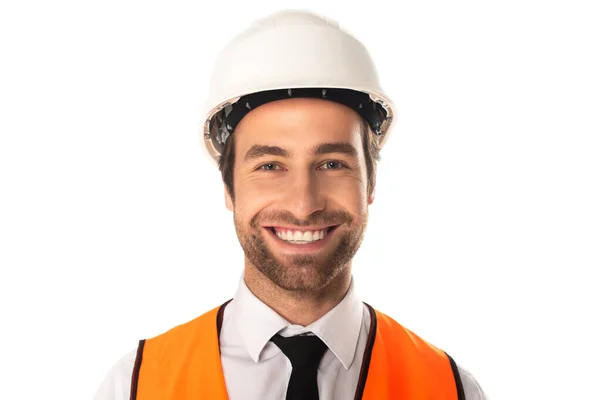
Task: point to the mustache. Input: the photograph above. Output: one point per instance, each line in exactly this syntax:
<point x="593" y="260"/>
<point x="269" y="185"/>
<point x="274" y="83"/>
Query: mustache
<point x="274" y="218"/>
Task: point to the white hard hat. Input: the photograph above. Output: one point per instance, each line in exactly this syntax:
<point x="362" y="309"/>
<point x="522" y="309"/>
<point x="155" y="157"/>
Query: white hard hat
<point x="292" y="54"/>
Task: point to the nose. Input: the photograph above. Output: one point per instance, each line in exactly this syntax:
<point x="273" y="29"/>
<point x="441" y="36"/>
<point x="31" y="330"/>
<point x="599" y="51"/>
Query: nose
<point x="304" y="195"/>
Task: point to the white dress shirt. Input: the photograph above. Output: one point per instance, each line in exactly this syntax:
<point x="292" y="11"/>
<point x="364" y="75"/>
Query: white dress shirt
<point x="255" y="368"/>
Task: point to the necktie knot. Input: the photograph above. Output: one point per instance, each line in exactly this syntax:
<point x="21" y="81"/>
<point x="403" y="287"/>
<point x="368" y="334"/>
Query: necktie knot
<point x="303" y="351"/>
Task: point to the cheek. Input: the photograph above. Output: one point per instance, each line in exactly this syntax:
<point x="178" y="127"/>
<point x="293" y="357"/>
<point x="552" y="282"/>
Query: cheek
<point x="350" y="188"/>
<point x="256" y="191"/>
<point x="252" y="196"/>
<point x="264" y="185"/>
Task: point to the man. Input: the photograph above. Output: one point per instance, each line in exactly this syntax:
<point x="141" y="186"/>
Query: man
<point x="295" y="120"/>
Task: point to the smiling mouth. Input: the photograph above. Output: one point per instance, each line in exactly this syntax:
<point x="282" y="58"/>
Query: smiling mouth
<point x="295" y="236"/>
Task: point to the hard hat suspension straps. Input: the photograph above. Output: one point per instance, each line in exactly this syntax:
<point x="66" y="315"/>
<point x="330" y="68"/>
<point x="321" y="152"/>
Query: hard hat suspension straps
<point x="224" y="122"/>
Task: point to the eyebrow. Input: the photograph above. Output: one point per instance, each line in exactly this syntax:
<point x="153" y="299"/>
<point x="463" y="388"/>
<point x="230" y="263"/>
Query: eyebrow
<point x="260" y="150"/>
<point x="340" y="147"/>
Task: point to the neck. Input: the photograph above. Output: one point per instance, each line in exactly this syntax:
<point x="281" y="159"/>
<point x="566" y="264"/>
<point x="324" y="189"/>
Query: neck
<point x="298" y="307"/>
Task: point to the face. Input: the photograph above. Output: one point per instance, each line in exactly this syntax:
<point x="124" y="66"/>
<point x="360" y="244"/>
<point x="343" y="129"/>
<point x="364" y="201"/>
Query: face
<point x="300" y="186"/>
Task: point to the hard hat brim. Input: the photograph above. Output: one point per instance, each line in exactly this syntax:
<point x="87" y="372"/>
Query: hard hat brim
<point x="222" y="120"/>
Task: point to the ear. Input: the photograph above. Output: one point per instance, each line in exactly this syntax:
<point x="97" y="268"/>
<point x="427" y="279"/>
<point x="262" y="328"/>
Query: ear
<point x="371" y="198"/>
<point x="228" y="200"/>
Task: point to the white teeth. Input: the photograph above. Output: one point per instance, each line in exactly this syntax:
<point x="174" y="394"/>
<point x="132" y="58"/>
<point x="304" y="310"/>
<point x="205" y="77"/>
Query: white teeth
<point x="298" y="237"/>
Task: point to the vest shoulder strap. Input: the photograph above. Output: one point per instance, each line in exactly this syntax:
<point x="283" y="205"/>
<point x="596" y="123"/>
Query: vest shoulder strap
<point x="181" y="361"/>
<point x="403" y="365"/>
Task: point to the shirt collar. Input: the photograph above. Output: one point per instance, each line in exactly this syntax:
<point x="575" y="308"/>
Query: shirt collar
<point x="339" y="329"/>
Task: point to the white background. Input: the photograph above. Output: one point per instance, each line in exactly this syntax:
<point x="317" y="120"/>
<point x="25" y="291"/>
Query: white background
<point x="484" y="237"/>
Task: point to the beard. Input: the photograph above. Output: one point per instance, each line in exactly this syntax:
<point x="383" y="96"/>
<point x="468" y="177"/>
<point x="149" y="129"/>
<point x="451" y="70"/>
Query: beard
<point x="301" y="272"/>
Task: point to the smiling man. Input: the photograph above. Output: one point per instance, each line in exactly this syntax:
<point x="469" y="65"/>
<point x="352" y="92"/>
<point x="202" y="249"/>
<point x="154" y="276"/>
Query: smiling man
<point x="300" y="203"/>
<point x="295" y="122"/>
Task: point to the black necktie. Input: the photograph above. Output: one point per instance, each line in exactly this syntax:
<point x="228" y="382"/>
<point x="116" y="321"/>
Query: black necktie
<point x="305" y="353"/>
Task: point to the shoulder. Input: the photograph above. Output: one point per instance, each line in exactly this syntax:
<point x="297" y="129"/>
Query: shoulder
<point x="470" y="386"/>
<point x="190" y="328"/>
<point x="184" y="337"/>
<point x="117" y="383"/>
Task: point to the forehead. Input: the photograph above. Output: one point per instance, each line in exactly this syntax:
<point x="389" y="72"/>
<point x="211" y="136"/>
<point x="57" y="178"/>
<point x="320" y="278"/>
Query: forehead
<point x="298" y="124"/>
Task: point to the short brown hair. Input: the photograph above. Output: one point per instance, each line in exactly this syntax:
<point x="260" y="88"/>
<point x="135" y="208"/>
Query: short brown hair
<point x="370" y="148"/>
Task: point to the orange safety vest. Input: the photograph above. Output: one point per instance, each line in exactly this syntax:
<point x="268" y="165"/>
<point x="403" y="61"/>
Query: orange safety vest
<point x="185" y="363"/>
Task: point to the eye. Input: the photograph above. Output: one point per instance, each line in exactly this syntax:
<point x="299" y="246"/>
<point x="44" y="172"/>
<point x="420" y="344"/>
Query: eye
<point x="269" y="167"/>
<point x="332" y="165"/>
